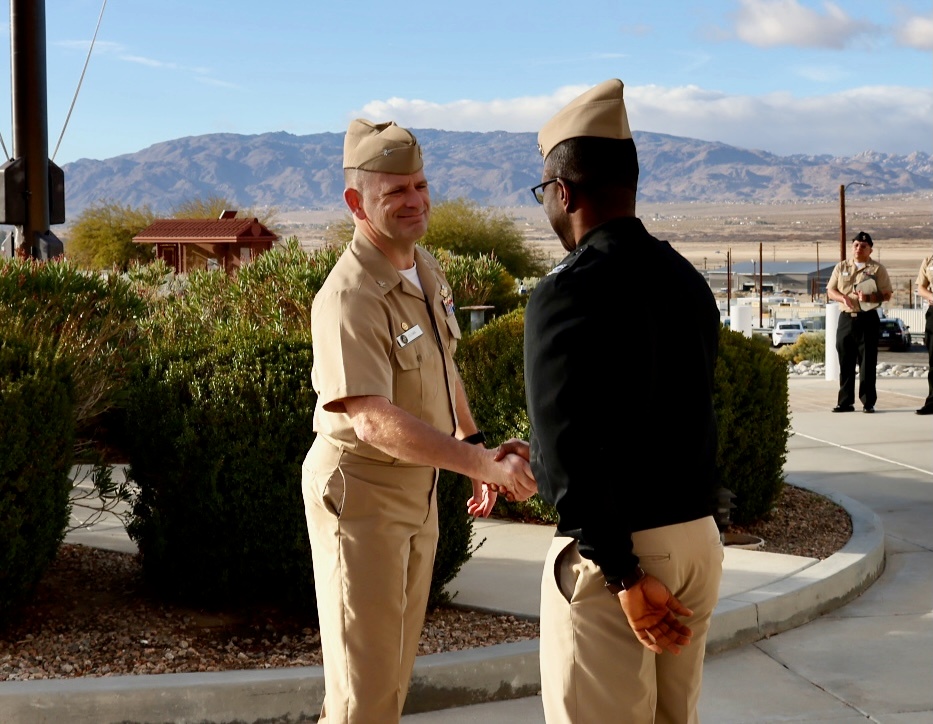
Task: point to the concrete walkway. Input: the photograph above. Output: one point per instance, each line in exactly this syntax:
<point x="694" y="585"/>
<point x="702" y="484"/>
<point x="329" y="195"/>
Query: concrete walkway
<point x="867" y="658"/>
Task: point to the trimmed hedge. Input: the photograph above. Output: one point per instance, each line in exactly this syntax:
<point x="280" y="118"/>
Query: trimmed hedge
<point x="37" y="439"/>
<point x="750" y="398"/>
<point x="751" y="401"/>
<point x="216" y="437"/>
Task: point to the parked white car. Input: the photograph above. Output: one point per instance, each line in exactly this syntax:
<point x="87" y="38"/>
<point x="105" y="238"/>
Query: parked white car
<point x="786" y="333"/>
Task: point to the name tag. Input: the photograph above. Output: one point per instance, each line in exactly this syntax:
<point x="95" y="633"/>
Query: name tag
<point x="406" y="338"/>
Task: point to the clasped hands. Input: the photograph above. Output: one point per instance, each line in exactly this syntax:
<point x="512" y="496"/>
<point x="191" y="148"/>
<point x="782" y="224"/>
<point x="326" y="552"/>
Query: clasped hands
<point x="513" y="478"/>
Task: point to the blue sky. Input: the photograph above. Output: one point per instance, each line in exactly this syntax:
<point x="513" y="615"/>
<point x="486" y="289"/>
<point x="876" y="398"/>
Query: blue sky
<point x="786" y="76"/>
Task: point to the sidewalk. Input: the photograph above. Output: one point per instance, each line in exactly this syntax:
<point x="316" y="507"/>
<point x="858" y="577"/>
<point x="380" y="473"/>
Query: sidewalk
<point x="762" y="595"/>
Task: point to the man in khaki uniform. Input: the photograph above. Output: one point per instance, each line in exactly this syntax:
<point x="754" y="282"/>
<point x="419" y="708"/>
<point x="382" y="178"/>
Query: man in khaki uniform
<point x="391" y="410"/>
<point x="857" y="334"/>
<point x="925" y="290"/>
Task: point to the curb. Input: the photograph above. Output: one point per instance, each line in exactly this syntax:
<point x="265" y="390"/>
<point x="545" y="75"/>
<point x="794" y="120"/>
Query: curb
<point x="439" y="681"/>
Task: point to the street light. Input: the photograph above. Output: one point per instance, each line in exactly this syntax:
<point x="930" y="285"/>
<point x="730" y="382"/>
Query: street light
<point x="842" y="217"/>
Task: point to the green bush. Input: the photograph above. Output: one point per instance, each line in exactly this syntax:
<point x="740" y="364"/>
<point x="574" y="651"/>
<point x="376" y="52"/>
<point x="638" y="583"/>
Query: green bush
<point x="36" y="437"/>
<point x="91" y="321"/>
<point x="751" y="404"/>
<point x="809" y="346"/>
<point x="491" y="363"/>
<point x="750" y="398"/>
<point x="216" y="437"/>
<point x="456" y="534"/>
<point x="274" y="293"/>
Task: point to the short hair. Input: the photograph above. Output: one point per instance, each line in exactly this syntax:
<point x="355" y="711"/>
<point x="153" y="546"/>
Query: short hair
<point x="609" y="164"/>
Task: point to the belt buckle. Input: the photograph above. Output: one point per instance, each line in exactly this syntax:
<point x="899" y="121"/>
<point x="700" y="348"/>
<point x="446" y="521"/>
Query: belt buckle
<point x="853" y="314"/>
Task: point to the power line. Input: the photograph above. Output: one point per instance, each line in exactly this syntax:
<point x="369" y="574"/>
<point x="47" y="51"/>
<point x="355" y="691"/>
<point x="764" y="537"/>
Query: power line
<point x="80" y="81"/>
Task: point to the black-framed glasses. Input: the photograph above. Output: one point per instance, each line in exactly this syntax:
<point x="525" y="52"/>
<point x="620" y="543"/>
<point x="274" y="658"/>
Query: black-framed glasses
<point x="538" y="191"/>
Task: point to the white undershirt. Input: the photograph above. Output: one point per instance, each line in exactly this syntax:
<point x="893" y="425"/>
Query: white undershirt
<point x="412" y="275"/>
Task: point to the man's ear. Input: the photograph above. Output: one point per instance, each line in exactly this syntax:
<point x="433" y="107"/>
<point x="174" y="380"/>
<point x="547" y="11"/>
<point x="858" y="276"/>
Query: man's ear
<point x="568" y="199"/>
<point x="354" y="201"/>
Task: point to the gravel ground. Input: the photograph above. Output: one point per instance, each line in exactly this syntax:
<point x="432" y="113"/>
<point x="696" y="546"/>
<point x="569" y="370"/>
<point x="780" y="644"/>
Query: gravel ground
<point x="91" y="616"/>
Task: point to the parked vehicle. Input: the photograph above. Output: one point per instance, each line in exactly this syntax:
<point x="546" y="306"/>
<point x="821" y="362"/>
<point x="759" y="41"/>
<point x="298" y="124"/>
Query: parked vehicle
<point x="786" y="332"/>
<point x="893" y="334"/>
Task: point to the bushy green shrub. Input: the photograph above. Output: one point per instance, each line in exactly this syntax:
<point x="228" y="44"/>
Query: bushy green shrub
<point x="750" y="398"/>
<point x="36" y="440"/>
<point x="809" y="346"/>
<point x="216" y="440"/>
<point x="491" y="363"/>
<point x="751" y="402"/>
<point x="273" y="293"/>
<point x="454" y="545"/>
<point x="90" y="320"/>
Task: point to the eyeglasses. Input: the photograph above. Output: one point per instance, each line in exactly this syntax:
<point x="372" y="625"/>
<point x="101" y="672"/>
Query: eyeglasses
<point x="538" y="191"/>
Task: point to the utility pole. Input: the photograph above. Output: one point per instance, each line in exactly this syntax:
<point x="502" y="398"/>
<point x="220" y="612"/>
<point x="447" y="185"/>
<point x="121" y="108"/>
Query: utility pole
<point x="32" y="188"/>
<point x="842" y="217"/>
<point x="761" y="290"/>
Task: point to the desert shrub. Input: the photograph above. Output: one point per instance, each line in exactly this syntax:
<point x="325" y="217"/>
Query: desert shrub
<point x="751" y="402"/>
<point x="454" y="544"/>
<point x="36" y="437"/>
<point x="491" y="363"/>
<point x="216" y="437"/>
<point x="464" y="228"/>
<point x="809" y="346"/>
<point x="750" y="398"/>
<point x="90" y="320"/>
<point x="274" y="293"/>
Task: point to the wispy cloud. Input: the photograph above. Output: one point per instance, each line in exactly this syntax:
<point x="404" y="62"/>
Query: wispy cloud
<point x="917" y="32"/>
<point x="771" y="23"/>
<point x="101" y="46"/>
<point x="889" y="117"/>
<point x="164" y="65"/>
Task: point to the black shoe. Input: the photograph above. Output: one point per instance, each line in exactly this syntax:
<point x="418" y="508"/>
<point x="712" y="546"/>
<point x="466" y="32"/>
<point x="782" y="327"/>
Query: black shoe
<point x="925" y="410"/>
<point x="868" y="410"/>
<point x="843" y="408"/>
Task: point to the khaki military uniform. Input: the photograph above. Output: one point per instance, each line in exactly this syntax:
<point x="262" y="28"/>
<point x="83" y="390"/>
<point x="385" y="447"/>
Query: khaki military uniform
<point x="925" y="279"/>
<point x="857" y="333"/>
<point x="372" y="519"/>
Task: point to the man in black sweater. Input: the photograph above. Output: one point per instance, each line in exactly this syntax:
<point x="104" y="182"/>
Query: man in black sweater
<point x="623" y="437"/>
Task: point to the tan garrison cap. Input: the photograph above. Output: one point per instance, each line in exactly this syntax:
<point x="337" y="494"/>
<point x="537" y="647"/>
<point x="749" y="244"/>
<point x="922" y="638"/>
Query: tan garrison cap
<point x="382" y="147"/>
<point x="599" y="112"/>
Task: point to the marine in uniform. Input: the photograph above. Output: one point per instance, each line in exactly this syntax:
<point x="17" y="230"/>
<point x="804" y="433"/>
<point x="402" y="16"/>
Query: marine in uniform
<point x="391" y="411"/>
<point x="857" y="333"/>
<point x="623" y="441"/>
<point x="925" y="290"/>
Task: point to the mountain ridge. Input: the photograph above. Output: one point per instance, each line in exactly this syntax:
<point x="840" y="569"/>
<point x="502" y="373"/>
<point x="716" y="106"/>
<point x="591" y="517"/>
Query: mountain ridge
<point x="495" y="168"/>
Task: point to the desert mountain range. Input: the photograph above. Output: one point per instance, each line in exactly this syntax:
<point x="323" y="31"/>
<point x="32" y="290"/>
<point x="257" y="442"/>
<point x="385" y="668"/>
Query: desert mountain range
<point x="292" y="172"/>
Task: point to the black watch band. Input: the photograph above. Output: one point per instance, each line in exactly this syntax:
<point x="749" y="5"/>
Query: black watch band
<point x="617" y="585"/>
<point x="477" y="438"/>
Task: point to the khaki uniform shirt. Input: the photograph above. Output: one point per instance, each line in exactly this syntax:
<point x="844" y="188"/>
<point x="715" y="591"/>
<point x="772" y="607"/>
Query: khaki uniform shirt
<point x="847" y="275"/>
<point x="925" y="277"/>
<point x="373" y="335"/>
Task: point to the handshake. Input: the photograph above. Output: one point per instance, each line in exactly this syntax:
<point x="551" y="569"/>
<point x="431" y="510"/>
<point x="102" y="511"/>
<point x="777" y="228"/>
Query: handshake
<point x="509" y="474"/>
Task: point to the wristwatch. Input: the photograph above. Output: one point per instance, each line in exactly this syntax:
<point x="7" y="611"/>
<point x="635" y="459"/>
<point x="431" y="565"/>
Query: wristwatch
<point x="617" y="585"/>
<point x="477" y="438"/>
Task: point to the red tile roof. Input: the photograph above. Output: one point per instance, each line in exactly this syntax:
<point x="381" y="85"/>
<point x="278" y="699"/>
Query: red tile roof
<point x="179" y="231"/>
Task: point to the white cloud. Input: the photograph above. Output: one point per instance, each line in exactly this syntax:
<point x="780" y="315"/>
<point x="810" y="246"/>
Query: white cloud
<point x="770" y="23"/>
<point x="889" y="118"/>
<point x="917" y="32"/>
<point x="895" y="119"/>
<point x="164" y="65"/>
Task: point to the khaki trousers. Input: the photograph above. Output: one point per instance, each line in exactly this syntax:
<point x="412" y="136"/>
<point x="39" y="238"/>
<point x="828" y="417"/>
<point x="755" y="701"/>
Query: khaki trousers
<point x="373" y="531"/>
<point x="593" y="668"/>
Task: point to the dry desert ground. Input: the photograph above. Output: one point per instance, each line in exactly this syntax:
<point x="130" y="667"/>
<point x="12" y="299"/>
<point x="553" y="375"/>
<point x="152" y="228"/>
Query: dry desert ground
<point x="705" y="232"/>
